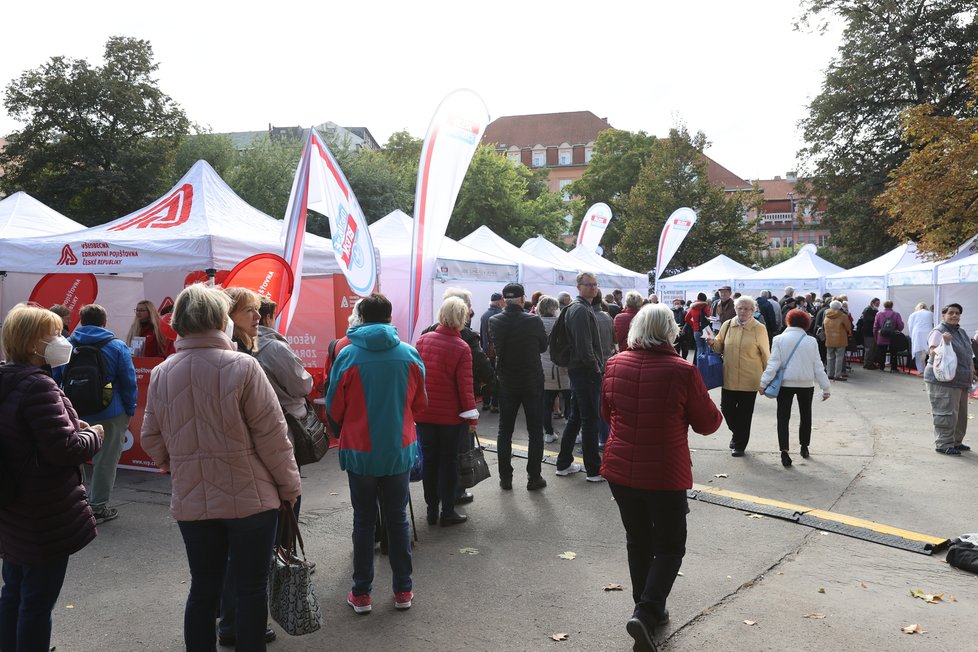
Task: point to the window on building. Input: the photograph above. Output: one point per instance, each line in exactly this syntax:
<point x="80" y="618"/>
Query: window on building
<point x="514" y="157"/>
<point x="539" y="158"/>
<point x="775" y="243"/>
<point x="564" y="157"/>
<point x="823" y="241"/>
<point x="563" y="193"/>
<point x="588" y="153"/>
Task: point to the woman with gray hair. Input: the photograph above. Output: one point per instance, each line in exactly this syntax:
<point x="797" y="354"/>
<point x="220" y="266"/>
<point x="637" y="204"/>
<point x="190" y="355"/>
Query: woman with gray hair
<point x="233" y="441"/>
<point x="651" y="398"/>
<point x="555" y="381"/>
<point x="837" y="327"/>
<point x="633" y="302"/>
<point x="743" y="343"/>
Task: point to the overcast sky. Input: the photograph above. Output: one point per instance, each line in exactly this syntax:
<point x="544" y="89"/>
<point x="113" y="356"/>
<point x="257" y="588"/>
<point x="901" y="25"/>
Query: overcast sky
<point x="734" y="70"/>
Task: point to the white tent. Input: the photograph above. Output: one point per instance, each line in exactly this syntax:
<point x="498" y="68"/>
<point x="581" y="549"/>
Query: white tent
<point x="457" y="264"/>
<point x="936" y="282"/>
<point x="630" y="280"/>
<point x="805" y="272"/>
<point x="535" y="274"/>
<point x="868" y="281"/>
<point x="705" y="278"/>
<point x="560" y="259"/>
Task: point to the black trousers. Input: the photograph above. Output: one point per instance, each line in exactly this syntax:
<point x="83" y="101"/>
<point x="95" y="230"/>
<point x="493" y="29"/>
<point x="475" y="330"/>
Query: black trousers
<point x="655" y="538"/>
<point x="738" y="411"/>
<point x="785" y="396"/>
<point x="510" y="400"/>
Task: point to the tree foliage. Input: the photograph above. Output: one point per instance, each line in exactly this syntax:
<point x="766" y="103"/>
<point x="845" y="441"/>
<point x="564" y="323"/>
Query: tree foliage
<point x="507" y="198"/>
<point x="263" y="173"/>
<point x="675" y="176"/>
<point x="933" y="196"/>
<point x="617" y="159"/>
<point x="895" y="54"/>
<point x="98" y="140"/>
<point x="216" y="149"/>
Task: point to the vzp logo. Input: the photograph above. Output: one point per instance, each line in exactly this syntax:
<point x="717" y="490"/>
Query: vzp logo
<point x="67" y="256"/>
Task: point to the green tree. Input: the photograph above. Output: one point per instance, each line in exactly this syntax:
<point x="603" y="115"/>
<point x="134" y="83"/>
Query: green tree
<point x="895" y="54"/>
<point x="216" y="149"/>
<point x="497" y="193"/>
<point x="675" y="176"/>
<point x="98" y="141"/>
<point x="263" y="173"/>
<point x="617" y="159"/>
<point x="379" y="184"/>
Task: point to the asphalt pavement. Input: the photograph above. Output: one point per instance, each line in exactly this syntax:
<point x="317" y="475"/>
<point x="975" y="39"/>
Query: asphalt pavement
<point x="499" y="582"/>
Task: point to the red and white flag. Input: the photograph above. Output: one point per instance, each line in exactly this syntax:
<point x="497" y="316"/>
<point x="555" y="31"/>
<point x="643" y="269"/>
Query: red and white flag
<point x="294" y="231"/>
<point x="593" y="226"/>
<point x="453" y="135"/>
<point x="676" y="229"/>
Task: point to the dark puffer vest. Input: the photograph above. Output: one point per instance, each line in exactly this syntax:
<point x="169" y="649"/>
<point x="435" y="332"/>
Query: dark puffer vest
<point x="42" y="445"/>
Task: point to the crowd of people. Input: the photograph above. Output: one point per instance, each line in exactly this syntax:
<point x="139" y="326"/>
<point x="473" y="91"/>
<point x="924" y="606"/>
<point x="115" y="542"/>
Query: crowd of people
<point x="615" y="368"/>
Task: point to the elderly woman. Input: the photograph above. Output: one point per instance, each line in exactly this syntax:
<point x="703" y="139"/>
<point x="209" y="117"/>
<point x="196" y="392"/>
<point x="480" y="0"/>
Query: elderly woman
<point x="838" y="328"/>
<point x="146" y="324"/>
<point x="949" y="400"/>
<point x="234" y="442"/>
<point x="633" y="301"/>
<point x="43" y="443"/>
<point x="651" y="397"/>
<point x="451" y="410"/>
<point x="555" y="380"/>
<point x="919" y="325"/>
<point x="743" y="343"/>
<point x="798" y="353"/>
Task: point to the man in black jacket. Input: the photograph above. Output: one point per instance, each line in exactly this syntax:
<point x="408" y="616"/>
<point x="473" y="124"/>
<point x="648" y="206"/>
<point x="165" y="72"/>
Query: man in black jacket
<point x="489" y="399"/>
<point x="866" y="332"/>
<point x="519" y="338"/>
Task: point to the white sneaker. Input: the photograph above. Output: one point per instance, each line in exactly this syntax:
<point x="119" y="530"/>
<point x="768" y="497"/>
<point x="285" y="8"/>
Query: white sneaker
<point x="570" y="470"/>
<point x="595" y="478"/>
<point x="549" y="439"/>
<point x="577" y="441"/>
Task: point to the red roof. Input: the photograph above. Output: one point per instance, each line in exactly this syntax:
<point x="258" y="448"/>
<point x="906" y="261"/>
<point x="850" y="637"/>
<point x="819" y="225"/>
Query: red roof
<point x="775" y="189"/>
<point x="573" y="128"/>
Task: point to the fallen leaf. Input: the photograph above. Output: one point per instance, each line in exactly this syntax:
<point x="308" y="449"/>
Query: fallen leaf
<point x="333" y="493"/>
<point x="612" y="587"/>
<point x="680" y="573"/>
<point x="821" y="589"/>
<point x="929" y="598"/>
<point x="754" y="516"/>
<point x="824" y="534"/>
<point x="750" y="622"/>
<point x="469" y="551"/>
<point x="720" y="475"/>
<point x="729" y="578"/>
<point x="814" y="616"/>
<point x="863" y="584"/>
<point x="951" y="598"/>
<point x="69" y="606"/>
<point x="568" y="555"/>
<point x="913" y="629"/>
<point x="559" y="637"/>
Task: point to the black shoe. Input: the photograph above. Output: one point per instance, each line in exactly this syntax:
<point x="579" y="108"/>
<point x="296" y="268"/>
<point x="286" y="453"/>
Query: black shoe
<point x="785" y="459"/>
<point x="506" y="484"/>
<point x="737" y="453"/>
<point x="535" y="483"/>
<point x="229" y="640"/>
<point x="963" y="447"/>
<point x="642" y="634"/>
<point x="804" y="452"/>
<point x="433" y="516"/>
<point x="733" y="444"/>
<point x="453" y="518"/>
<point x="661" y="618"/>
<point x="464" y="499"/>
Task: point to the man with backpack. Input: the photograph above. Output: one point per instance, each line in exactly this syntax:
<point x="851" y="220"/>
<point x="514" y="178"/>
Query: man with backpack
<point x="100" y="382"/>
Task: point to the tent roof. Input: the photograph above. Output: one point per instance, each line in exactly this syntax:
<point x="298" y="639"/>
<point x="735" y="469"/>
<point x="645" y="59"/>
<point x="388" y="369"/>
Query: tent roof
<point x="602" y="262"/>
<point x="923" y="273"/>
<point x="607" y="278"/>
<point x="803" y="265"/>
<point x="199" y="224"/>
<point x="717" y="269"/>
<point x="392" y="234"/>
<point x="486" y="240"/>
<point x="22" y="216"/>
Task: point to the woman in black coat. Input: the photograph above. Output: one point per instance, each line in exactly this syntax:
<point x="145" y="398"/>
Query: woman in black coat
<point x="46" y="516"/>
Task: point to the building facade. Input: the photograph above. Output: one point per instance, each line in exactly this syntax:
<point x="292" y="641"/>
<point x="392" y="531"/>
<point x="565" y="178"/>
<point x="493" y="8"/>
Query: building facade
<point x="788" y="219"/>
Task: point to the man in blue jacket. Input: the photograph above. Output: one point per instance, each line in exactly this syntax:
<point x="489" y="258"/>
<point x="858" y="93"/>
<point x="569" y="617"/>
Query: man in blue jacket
<point x="114" y="418"/>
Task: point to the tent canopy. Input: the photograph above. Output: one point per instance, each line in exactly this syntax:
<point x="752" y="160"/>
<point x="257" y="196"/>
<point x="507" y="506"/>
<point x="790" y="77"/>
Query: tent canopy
<point x="561" y="260"/>
<point x="534" y="272"/>
<point x="707" y="277"/>
<point x="872" y="275"/>
<point x="631" y="280"/>
<point x="199" y="224"/>
<point x="22" y="216"/>
<point x="805" y="271"/>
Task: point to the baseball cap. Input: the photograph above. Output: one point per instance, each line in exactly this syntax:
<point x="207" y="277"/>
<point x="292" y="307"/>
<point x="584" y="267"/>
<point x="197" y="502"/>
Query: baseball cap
<point x="513" y="291"/>
<point x="495" y="296"/>
<point x="726" y="287"/>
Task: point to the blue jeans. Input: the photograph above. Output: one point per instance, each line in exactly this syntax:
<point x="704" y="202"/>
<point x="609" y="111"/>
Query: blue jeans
<point x="510" y="400"/>
<point x="584" y="418"/>
<point x="440" y="448"/>
<point x="392" y="490"/>
<point x="243" y="545"/>
<point x="26" y="602"/>
<point x="701" y="346"/>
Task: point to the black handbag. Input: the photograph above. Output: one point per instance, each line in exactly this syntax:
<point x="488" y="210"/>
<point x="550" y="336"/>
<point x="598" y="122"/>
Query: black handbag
<point x="292" y="601"/>
<point x="472" y="466"/>
<point x="308" y="436"/>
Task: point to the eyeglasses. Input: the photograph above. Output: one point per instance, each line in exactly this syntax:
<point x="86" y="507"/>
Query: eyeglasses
<point x="588" y="285"/>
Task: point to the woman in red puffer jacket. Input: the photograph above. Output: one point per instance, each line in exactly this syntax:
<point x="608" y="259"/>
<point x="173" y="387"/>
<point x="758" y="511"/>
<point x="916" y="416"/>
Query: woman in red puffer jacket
<point x="451" y="409"/>
<point x="650" y="397"/>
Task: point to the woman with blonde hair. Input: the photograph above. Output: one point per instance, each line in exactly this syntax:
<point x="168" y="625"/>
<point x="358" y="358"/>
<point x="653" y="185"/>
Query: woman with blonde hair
<point x="235" y="442"/>
<point x="146" y="324"/>
<point x="43" y="443"/>
<point x="245" y="314"/>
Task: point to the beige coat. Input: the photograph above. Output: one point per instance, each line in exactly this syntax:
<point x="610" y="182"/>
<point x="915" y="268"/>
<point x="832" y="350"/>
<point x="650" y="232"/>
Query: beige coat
<point x="745" y="352"/>
<point x="837" y="329"/>
<point x="213" y="419"/>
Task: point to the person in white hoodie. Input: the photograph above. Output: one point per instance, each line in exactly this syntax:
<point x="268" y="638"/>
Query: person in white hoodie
<point x="798" y="352"/>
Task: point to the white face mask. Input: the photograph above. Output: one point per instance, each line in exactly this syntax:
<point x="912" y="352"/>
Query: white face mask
<point x="229" y="329"/>
<point x="58" y="352"/>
